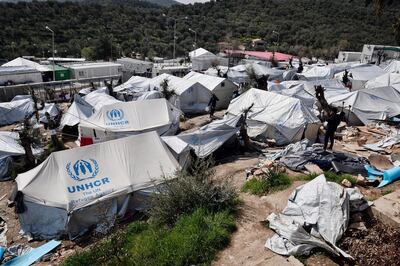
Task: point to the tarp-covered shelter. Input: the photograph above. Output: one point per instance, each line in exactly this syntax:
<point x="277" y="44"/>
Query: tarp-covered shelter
<point x="321" y="72"/>
<point x="206" y="139"/>
<point x="218" y="71"/>
<point x="387" y="79"/>
<point x="50" y="108"/>
<point x="131" y="118"/>
<point x="79" y="110"/>
<point x="16" y="110"/>
<point x="99" y="98"/>
<point x="74" y="190"/>
<point x="285" y="119"/>
<point x="393" y="67"/>
<point x="369" y="104"/>
<point x="202" y="59"/>
<point x="192" y="96"/>
<point x="9" y="147"/>
<point x="136" y="84"/>
<point x="360" y="75"/>
<point x="221" y="87"/>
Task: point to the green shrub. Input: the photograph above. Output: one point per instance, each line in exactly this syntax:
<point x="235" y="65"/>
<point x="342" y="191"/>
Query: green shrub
<point x="190" y="191"/>
<point x="194" y="239"/>
<point x="274" y="180"/>
<point x="330" y="176"/>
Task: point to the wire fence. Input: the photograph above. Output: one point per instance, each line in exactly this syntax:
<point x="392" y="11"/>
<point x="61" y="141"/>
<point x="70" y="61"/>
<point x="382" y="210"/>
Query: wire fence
<point x="53" y="90"/>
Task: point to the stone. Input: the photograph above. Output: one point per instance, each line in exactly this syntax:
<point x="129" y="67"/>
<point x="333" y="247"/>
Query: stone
<point x="346" y="183"/>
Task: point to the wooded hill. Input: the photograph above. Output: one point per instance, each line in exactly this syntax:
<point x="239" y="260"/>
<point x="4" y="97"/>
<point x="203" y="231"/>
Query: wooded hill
<point x="114" y="28"/>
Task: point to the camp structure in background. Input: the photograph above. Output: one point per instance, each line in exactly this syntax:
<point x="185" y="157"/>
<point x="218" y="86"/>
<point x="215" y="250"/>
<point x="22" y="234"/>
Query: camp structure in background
<point x="192" y="97"/>
<point x="369" y="104"/>
<point x="202" y="59"/>
<point x="360" y="75"/>
<point x="78" y="189"/>
<point x="221" y="87"/>
<point x="130" y="118"/>
<point x="274" y="116"/>
<point x="17" y="110"/>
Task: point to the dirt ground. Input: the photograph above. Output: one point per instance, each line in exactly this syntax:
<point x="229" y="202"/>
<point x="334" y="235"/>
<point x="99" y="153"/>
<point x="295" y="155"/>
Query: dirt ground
<point x="247" y="243"/>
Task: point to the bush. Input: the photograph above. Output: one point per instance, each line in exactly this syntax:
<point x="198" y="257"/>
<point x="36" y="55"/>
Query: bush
<point x="274" y="180"/>
<point x="190" y="191"/>
<point x="194" y="239"/>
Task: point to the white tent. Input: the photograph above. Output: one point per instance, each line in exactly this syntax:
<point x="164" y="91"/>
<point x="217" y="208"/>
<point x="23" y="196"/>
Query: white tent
<point x="297" y="91"/>
<point x="238" y="74"/>
<point x="213" y="71"/>
<point x="393" y="67"/>
<point x="206" y="139"/>
<point x="193" y="97"/>
<point x="369" y="104"/>
<point x="76" y="189"/>
<point x="131" y="118"/>
<point x="99" y="98"/>
<point x="136" y="84"/>
<point x="202" y="59"/>
<point x="323" y="72"/>
<point x="384" y="80"/>
<point x="16" y="110"/>
<point x="276" y="116"/>
<point x="360" y="75"/>
<point x="10" y="146"/>
<point x="50" y="108"/>
<point x="79" y="110"/>
<point x="19" y="61"/>
<point x="221" y="87"/>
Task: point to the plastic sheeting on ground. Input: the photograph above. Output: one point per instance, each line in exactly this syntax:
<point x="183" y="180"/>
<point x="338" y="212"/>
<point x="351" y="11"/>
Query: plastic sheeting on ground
<point x="73" y="190"/>
<point x="16" y="110"/>
<point x="275" y="116"/>
<point x="384" y="143"/>
<point x="208" y="138"/>
<point x="316" y="216"/>
<point x="325" y="160"/>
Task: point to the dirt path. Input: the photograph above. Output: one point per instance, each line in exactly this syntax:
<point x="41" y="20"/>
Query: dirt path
<point x="247" y="243"/>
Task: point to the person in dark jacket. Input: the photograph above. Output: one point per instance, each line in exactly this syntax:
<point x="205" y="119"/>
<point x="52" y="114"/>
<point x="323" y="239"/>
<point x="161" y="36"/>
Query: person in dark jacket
<point x="212" y="104"/>
<point x="333" y="123"/>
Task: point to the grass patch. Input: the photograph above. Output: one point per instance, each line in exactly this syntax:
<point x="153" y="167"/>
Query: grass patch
<point x="192" y="217"/>
<point x="194" y="239"/>
<point x="387" y="192"/>
<point x="270" y="182"/>
<point x="330" y="176"/>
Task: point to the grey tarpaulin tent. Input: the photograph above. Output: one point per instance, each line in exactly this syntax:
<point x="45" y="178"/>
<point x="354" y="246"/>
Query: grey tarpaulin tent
<point x="16" y="110"/>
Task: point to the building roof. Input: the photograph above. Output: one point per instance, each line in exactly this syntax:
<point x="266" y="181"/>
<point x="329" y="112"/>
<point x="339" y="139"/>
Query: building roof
<point x="134" y="61"/>
<point x="262" y="55"/>
<point x="92" y="65"/>
<point x="25" y="62"/>
<point x="7" y="70"/>
<point x="200" y="52"/>
<point x="210" y="82"/>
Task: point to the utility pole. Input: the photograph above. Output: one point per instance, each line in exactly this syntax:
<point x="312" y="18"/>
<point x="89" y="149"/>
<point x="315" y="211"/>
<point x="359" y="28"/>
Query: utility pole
<point x="52" y="35"/>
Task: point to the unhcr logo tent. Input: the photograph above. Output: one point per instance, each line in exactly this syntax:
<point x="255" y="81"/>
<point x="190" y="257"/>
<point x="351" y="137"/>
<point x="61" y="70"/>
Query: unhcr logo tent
<point x="76" y="189"/>
<point x="130" y="118"/>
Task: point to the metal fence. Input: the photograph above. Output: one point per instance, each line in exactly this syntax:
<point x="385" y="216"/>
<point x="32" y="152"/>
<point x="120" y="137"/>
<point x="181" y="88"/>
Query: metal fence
<point x="48" y="91"/>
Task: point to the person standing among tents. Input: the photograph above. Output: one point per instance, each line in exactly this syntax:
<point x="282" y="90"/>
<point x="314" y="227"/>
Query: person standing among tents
<point x="212" y="104"/>
<point x="300" y="68"/>
<point x="346" y="77"/>
<point x="51" y="125"/>
<point x="333" y="123"/>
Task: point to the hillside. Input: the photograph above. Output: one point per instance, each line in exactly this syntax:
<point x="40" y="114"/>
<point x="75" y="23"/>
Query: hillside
<point x="308" y="27"/>
<point x="162" y="3"/>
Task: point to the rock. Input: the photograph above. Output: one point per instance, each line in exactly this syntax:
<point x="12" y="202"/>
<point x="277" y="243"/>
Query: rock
<point x="313" y="168"/>
<point x="358" y="226"/>
<point x="258" y="172"/>
<point x="268" y="164"/>
<point x="346" y="183"/>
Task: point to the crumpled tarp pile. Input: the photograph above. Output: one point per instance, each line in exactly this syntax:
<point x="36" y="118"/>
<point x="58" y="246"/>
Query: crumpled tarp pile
<point x="325" y="160"/>
<point x="317" y="215"/>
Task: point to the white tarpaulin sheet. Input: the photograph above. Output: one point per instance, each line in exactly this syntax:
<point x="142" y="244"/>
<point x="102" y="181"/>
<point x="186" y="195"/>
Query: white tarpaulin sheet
<point x="317" y="215"/>
<point x="136" y="84"/>
<point x="276" y="116"/>
<point x="72" y="189"/>
<point x="79" y="110"/>
<point x="393" y="67"/>
<point x="15" y="111"/>
<point x="369" y="104"/>
<point x="327" y="72"/>
<point x="384" y="80"/>
<point x="50" y="108"/>
<point x="208" y="138"/>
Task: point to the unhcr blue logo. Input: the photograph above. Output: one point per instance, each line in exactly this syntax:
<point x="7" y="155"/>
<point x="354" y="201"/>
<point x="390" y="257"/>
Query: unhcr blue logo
<point x="83" y="169"/>
<point x="115" y="114"/>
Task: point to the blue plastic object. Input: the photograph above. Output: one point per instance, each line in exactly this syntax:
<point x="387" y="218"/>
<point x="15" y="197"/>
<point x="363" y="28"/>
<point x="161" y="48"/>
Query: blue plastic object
<point x="33" y="255"/>
<point x="389" y="176"/>
<point x="373" y="173"/>
<point x="2" y="251"/>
